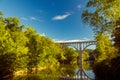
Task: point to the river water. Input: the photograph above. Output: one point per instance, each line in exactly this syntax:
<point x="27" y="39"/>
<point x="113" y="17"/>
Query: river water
<point x="90" y="73"/>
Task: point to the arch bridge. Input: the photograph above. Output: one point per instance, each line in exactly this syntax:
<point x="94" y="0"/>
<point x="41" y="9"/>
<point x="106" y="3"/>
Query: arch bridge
<point x="80" y="46"/>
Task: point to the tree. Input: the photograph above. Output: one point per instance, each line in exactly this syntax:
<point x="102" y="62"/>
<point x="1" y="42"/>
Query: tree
<point x="42" y="51"/>
<point x="33" y="51"/>
<point x="104" y="48"/>
<point x="107" y="70"/>
<point x="69" y="56"/>
<point x="105" y="53"/>
<point x="116" y="36"/>
<point x="1" y="15"/>
<point x="12" y="48"/>
<point x="102" y="16"/>
<point x="85" y="60"/>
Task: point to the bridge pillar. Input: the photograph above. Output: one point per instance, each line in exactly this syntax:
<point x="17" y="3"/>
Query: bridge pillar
<point x="80" y="63"/>
<point x="80" y="46"/>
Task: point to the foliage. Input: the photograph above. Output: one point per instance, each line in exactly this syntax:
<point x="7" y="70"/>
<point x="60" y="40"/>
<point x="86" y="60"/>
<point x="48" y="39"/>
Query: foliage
<point x="85" y="60"/>
<point x="68" y="61"/>
<point x="22" y="48"/>
<point x="11" y="44"/>
<point x="101" y="15"/>
<point x="69" y="56"/>
<point x="105" y="53"/>
<point x="1" y="15"/>
<point x="42" y="51"/>
<point x="104" y="48"/>
<point x="116" y="35"/>
<point x="108" y="70"/>
<point x="44" y="75"/>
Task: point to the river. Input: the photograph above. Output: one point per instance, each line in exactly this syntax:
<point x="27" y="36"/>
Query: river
<point x="90" y="73"/>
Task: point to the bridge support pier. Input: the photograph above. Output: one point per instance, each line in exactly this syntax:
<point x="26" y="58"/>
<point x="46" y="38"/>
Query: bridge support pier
<point x="80" y="46"/>
<point x="80" y="64"/>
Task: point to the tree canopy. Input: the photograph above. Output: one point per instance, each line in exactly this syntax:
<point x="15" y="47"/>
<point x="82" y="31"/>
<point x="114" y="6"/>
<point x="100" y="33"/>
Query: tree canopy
<point x="101" y="14"/>
<point x="104" y="18"/>
<point x="23" y="49"/>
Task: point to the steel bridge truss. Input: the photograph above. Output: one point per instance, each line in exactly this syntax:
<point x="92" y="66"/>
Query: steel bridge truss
<point x="79" y="46"/>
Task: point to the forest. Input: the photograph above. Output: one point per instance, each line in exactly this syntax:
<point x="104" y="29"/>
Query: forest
<point x="103" y="16"/>
<point x="28" y="55"/>
<point x="24" y="53"/>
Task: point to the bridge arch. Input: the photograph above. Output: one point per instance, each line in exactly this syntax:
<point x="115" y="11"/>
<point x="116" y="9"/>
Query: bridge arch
<point x="80" y="46"/>
<point x="83" y="70"/>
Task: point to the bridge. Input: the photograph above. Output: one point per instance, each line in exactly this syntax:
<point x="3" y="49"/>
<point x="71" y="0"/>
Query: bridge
<point x="79" y="46"/>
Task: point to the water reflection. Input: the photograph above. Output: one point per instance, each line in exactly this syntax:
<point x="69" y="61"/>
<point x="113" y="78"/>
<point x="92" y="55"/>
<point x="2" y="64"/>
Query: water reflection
<point x="90" y="73"/>
<point x="64" y="71"/>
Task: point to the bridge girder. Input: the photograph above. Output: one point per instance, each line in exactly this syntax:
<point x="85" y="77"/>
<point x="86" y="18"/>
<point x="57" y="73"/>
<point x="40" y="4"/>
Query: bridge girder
<point x="80" y="46"/>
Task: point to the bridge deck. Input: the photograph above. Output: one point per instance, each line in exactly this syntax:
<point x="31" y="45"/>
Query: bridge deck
<point x="75" y="41"/>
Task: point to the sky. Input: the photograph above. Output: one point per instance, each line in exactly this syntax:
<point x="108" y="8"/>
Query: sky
<point x="57" y="19"/>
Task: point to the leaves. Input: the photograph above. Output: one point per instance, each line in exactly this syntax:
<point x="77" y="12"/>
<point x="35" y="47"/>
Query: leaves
<point x="23" y="48"/>
<point x="85" y="60"/>
<point x="12" y="46"/>
<point x="101" y="15"/>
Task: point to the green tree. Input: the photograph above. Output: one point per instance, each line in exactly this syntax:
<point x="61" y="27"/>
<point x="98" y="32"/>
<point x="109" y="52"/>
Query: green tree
<point x="33" y="52"/>
<point x="104" y="48"/>
<point x="69" y="56"/>
<point x="42" y="51"/>
<point x="1" y="15"/>
<point x="101" y="15"/>
<point x="12" y="47"/>
<point x="105" y="53"/>
<point x="85" y="60"/>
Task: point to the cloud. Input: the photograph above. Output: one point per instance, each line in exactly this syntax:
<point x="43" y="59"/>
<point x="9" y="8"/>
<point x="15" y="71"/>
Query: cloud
<point x="61" y="17"/>
<point x="24" y="18"/>
<point x="33" y="18"/>
<point x="79" y="6"/>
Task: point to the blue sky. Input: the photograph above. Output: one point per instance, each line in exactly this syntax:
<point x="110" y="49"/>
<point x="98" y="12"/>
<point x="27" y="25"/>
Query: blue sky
<point x="57" y="19"/>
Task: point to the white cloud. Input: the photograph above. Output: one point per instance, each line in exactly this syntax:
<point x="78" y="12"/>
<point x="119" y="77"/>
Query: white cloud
<point x="24" y="18"/>
<point x="36" y="19"/>
<point x="79" y="6"/>
<point x="61" y="17"/>
<point x="33" y="18"/>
